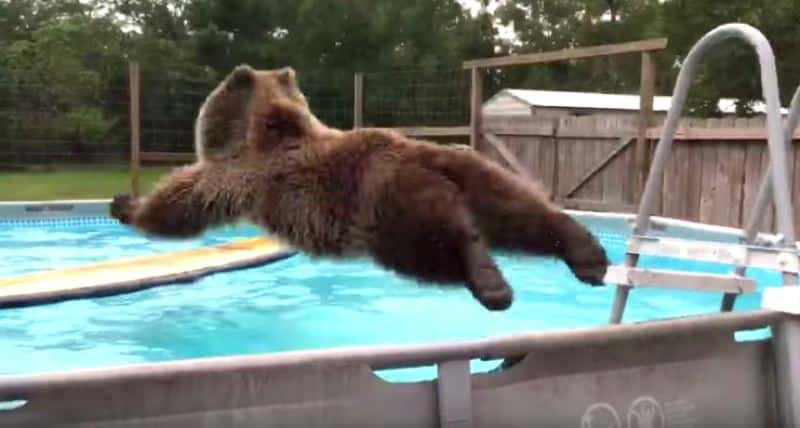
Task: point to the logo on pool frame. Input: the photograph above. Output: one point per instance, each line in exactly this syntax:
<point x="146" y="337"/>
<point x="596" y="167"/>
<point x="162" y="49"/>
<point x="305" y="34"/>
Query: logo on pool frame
<point x="600" y="415"/>
<point x="643" y="412"/>
<point x="646" y="412"/>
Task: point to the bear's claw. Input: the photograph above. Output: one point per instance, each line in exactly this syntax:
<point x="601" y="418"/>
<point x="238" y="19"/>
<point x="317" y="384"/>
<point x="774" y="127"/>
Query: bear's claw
<point x="589" y="264"/>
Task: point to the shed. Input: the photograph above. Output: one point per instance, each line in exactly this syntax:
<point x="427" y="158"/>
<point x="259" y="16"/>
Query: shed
<point x="556" y="104"/>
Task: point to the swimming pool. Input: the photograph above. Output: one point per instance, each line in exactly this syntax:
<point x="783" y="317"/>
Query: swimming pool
<point x="296" y="303"/>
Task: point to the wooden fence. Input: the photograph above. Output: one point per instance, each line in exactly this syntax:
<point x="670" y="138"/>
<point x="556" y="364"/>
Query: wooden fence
<point x="712" y="175"/>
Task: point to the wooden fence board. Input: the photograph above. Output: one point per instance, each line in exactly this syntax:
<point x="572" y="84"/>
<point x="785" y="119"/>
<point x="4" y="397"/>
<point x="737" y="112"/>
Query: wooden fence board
<point x="583" y="162"/>
<point x="434" y="131"/>
<point x="795" y="151"/>
<point x="528" y="151"/>
<point x="716" y="133"/>
<point x="769" y="218"/>
<point x="565" y="168"/>
<point x="694" y="175"/>
<point x="167" y="157"/>
<point x="739" y="157"/>
<point x="541" y="157"/>
<point x="568" y="54"/>
<point x="629" y="190"/>
<point x="571" y="152"/>
<point x="674" y="183"/>
<point x="598" y="150"/>
<point x="613" y="175"/>
<point x="548" y="162"/>
<point x="509" y="157"/>
<point x="658" y="200"/>
<point x="728" y="184"/>
<point x="519" y="125"/>
<point x="707" y="185"/>
<point x="713" y="181"/>
<point x="752" y="179"/>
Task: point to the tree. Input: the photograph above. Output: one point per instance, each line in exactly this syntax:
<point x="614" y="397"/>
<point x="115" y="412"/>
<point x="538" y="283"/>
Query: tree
<point x="60" y="71"/>
<point x="731" y="70"/>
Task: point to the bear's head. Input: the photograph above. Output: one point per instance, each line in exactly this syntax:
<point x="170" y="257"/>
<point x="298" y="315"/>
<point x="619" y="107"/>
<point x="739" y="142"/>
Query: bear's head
<point x="237" y="108"/>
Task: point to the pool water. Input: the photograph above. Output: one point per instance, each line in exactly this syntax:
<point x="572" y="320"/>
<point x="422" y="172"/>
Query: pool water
<point x="295" y="304"/>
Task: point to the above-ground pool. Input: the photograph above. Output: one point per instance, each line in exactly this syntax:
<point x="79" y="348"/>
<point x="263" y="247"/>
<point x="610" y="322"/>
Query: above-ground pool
<point x="295" y="303"/>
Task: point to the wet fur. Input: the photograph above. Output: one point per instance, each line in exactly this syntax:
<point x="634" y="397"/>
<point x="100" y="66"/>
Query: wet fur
<point x="423" y="210"/>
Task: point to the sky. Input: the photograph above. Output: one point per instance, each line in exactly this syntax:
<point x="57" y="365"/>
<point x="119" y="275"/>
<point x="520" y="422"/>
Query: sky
<point x="505" y="32"/>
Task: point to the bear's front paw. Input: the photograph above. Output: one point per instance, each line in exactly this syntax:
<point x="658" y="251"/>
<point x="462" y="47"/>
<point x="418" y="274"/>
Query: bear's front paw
<point x="588" y="262"/>
<point x="122" y="207"/>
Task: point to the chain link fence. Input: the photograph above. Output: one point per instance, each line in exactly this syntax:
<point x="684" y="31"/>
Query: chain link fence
<point x="35" y="131"/>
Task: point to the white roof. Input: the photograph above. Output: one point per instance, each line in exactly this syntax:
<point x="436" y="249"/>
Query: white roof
<point x="596" y="100"/>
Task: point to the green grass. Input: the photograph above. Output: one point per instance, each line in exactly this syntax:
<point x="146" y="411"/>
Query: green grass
<point x="73" y="182"/>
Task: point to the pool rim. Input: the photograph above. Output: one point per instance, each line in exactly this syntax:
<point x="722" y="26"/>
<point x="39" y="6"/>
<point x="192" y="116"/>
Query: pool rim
<point x="79" y="208"/>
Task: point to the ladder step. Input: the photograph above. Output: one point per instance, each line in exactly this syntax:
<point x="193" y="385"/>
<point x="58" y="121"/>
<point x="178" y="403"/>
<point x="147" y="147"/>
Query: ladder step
<point x="781" y="259"/>
<point x="638" y="277"/>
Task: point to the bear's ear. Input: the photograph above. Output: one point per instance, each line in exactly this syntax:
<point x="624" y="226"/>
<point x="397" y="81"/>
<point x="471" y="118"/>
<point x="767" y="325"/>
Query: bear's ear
<point x="282" y="120"/>
<point x="242" y="77"/>
<point x="286" y="77"/>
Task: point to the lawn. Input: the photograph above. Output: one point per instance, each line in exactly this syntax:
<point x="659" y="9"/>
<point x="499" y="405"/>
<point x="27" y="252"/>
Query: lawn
<point x="73" y="182"/>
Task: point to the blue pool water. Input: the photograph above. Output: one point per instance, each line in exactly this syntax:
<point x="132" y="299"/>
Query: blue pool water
<point x="293" y="304"/>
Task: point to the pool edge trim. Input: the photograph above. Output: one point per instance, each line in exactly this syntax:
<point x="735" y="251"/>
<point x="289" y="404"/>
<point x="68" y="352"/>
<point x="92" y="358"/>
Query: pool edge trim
<point x="81" y="208"/>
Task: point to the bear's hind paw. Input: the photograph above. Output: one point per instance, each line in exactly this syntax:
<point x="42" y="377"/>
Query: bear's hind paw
<point x="589" y="264"/>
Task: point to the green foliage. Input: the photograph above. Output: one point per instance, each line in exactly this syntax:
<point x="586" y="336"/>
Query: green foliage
<point x="544" y="25"/>
<point x="64" y="57"/>
<point x="88" y="124"/>
<point x="63" y="65"/>
<point x="81" y="181"/>
<point x="731" y="70"/>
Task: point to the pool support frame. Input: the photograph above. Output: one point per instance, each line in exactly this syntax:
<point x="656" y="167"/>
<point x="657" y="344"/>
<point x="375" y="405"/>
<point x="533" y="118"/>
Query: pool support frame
<point x="678" y="365"/>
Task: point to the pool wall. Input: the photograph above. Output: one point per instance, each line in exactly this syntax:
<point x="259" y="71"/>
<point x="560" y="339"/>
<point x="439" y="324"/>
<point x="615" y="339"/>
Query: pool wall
<point x="60" y="208"/>
<point x="23" y="211"/>
<point x="680" y="372"/>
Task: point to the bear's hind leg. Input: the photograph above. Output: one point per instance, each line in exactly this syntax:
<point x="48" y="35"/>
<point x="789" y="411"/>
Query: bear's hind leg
<point x="424" y="230"/>
<point x="518" y="217"/>
<point x="484" y="279"/>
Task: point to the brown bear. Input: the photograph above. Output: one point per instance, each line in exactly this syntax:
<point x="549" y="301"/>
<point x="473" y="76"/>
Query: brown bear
<point x="422" y="210"/>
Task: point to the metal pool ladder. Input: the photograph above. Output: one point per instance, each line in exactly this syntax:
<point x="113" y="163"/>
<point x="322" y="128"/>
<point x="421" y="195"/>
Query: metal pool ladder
<point x="752" y="251"/>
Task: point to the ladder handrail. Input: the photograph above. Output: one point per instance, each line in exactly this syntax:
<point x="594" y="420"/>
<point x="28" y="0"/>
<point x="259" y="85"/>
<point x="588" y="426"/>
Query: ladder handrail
<point x="755" y="221"/>
<point x="777" y="146"/>
<point x="777" y="185"/>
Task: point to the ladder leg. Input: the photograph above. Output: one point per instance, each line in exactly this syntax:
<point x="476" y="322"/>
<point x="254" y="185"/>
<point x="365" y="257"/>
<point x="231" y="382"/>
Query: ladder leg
<point x="765" y="192"/>
<point x="728" y="300"/>
<point x="620" y="299"/>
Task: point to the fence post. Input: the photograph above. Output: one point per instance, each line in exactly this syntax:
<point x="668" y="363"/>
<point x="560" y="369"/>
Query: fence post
<point x="646" y="95"/>
<point x="476" y="103"/>
<point x="358" y="100"/>
<point x="134" y="113"/>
